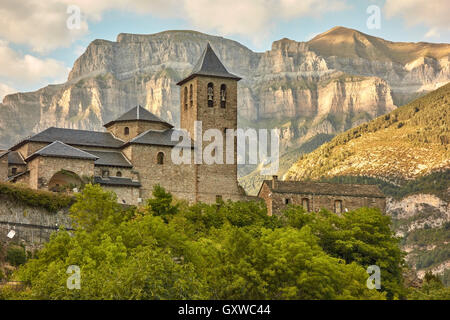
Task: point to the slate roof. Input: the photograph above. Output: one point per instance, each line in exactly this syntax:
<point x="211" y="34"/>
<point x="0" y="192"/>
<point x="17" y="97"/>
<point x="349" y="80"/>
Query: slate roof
<point x="116" y="181"/>
<point x="61" y="150"/>
<point x="322" y="188"/>
<point x="74" y="137"/>
<point x="110" y="158"/>
<point x="209" y="65"/>
<point x="156" y="137"/>
<point x="14" y="157"/>
<point x="138" y="113"/>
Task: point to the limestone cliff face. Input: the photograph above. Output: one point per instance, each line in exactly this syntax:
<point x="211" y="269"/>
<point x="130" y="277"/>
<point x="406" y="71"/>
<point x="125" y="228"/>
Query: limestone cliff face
<point x="421" y="221"/>
<point x="303" y="91"/>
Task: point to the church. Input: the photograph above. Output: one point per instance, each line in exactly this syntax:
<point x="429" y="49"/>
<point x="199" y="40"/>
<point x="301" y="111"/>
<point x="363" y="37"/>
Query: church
<point x="134" y="153"/>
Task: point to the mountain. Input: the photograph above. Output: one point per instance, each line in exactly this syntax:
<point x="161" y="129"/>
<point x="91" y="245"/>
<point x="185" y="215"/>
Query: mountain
<point x="296" y="86"/>
<point x="409" y="142"/>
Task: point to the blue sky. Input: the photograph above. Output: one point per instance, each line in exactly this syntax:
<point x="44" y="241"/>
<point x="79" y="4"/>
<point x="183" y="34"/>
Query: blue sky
<point x="36" y="47"/>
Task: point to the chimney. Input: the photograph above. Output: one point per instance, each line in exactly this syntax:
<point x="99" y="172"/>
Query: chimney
<point x="274" y="182"/>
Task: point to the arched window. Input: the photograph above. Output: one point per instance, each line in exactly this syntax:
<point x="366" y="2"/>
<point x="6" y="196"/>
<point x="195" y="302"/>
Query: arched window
<point x="118" y="174"/>
<point x="191" y="96"/>
<point x="126" y="131"/>
<point x="210" y="94"/>
<point x="105" y="173"/>
<point x="338" y="206"/>
<point x="287" y="201"/>
<point x="223" y="96"/>
<point x="160" y="158"/>
<point x="185" y="98"/>
<point x="305" y="204"/>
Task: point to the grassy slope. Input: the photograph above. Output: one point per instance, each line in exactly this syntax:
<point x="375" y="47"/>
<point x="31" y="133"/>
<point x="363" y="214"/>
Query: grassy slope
<point x="410" y="142"/>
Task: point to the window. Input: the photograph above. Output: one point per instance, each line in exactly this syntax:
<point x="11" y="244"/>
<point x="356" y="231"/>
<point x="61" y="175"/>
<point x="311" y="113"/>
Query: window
<point x="14" y="171"/>
<point x="287" y="201"/>
<point x="223" y="96"/>
<point x="160" y="158"/>
<point x="119" y="174"/>
<point x="105" y="173"/>
<point x="218" y="198"/>
<point x="338" y="206"/>
<point x="210" y="95"/>
<point x="126" y="131"/>
<point x="305" y="204"/>
<point x="191" y="96"/>
<point x="185" y="98"/>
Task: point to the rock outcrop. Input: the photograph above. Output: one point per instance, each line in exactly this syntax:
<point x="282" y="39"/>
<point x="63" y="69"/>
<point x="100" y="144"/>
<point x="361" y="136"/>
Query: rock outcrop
<point x="296" y="85"/>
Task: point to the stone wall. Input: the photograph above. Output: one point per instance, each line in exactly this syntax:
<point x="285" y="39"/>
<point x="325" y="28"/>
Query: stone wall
<point x="3" y="168"/>
<point x="31" y="147"/>
<point x="125" y="194"/>
<point x="276" y="202"/>
<point x="178" y="179"/>
<point x="32" y="225"/>
<point x="42" y="169"/>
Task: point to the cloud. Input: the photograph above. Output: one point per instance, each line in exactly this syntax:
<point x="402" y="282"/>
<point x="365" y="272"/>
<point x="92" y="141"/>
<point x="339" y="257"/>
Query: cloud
<point x="42" y="25"/>
<point x="4" y="90"/>
<point x="432" y="14"/>
<point x="28" y="69"/>
<point x="432" y="33"/>
<point x="252" y="17"/>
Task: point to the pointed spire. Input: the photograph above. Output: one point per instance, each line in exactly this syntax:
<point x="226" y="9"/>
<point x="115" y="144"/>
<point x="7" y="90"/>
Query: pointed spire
<point x="209" y="65"/>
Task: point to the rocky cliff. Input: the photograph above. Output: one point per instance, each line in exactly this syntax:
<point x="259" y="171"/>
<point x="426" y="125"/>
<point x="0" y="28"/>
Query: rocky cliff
<point x="298" y="86"/>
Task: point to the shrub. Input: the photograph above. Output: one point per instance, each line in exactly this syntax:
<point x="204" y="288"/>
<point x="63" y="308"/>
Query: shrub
<point x="16" y="256"/>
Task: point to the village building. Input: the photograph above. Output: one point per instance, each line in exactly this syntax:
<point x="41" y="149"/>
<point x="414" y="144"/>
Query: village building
<point x="314" y="196"/>
<point x="134" y="154"/>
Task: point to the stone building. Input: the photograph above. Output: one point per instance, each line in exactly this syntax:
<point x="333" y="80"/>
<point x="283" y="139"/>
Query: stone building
<point x="134" y="153"/>
<point x="314" y="196"/>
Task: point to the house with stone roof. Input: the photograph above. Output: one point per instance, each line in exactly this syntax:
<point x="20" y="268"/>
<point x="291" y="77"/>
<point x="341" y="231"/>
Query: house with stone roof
<point x="314" y="196"/>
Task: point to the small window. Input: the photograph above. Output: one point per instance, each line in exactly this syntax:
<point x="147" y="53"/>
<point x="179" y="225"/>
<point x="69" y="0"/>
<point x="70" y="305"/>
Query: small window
<point x="191" y="96"/>
<point x="223" y="96"/>
<point x="126" y="131"/>
<point x="219" y="198"/>
<point x="105" y="173"/>
<point x="14" y="171"/>
<point x="118" y="174"/>
<point x="210" y="95"/>
<point x="287" y="201"/>
<point x="160" y="158"/>
<point x="338" y="206"/>
<point x="185" y="98"/>
<point x="305" y="204"/>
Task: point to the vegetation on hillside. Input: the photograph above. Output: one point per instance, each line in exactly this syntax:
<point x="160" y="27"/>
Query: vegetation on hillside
<point x="229" y="250"/>
<point x="436" y="183"/>
<point x="409" y="142"/>
<point x="36" y="198"/>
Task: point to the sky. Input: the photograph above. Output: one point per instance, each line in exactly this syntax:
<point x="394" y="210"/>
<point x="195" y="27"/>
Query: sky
<point x="40" y="40"/>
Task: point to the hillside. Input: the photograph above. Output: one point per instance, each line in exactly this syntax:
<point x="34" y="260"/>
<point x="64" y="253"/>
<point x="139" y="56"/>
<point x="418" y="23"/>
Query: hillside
<point x="410" y="142"/>
<point x="349" y="43"/>
<point x="296" y="86"/>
